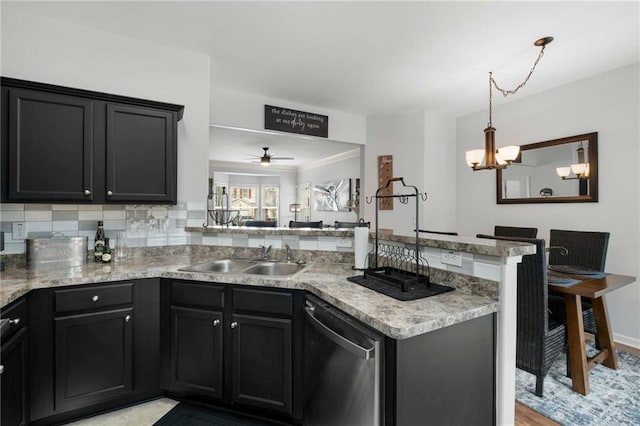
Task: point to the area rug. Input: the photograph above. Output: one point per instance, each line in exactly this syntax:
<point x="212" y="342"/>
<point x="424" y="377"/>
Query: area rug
<point x="614" y="395"/>
<point x="193" y="415"/>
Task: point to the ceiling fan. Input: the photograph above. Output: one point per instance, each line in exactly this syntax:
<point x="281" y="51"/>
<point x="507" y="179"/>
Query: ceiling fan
<point x="266" y="158"/>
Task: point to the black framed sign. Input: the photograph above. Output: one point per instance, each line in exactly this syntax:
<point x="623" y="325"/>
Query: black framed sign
<point x="294" y="121"/>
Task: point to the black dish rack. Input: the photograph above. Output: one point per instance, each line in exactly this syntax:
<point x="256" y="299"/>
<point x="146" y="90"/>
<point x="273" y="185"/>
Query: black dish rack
<point x="395" y="270"/>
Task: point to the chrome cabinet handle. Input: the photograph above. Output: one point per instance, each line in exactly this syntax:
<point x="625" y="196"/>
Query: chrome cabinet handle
<point x="15" y="321"/>
<point x="95" y="298"/>
<point x="109" y="193"/>
<point x="127" y="318"/>
<point x="234" y="324"/>
<point x="87" y="192"/>
<point x="216" y="322"/>
<point x="1" y="369"/>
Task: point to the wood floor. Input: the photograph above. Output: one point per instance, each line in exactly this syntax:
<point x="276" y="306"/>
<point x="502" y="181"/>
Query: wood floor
<point x="525" y="416"/>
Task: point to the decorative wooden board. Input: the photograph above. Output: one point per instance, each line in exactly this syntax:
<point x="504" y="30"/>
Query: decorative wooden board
<point x="385" y="172"/>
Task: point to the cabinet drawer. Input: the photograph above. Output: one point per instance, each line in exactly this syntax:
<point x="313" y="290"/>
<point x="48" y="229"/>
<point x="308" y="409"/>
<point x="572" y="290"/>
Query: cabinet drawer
<point x="13" y="319"/>
<point x="270" y="302"/>
<point x="95" y="297"/>
<point x="205" y="295"/>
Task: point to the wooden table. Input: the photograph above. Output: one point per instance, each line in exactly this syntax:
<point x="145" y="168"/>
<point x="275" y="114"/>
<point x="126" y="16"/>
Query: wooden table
<point x="594" y="289"/>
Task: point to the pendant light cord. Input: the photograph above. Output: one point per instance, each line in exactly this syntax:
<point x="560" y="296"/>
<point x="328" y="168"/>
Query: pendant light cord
<point x="505" y="92"/>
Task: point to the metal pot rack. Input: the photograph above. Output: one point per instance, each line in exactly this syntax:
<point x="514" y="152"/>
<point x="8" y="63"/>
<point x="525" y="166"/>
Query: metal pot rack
<point x="400" y="265"/>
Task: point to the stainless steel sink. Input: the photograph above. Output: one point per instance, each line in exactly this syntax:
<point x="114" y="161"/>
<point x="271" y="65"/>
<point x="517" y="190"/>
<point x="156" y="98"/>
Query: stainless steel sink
<point x="225" y="265"/>
<point x="246" y="266"/>
<point x="274" y="268"/>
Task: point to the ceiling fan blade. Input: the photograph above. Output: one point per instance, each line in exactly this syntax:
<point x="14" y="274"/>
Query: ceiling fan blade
<point x="282" y="158"/>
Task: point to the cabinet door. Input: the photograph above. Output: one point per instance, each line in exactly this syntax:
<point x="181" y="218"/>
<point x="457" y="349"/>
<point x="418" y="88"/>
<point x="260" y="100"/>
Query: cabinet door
<point x="50" y="147"/>
<point x="93" y="360"/>
<point x="262" y="361"/>
<point x="13" y="380"/>
<point x="141" y="154"/>
<point x="196" y="351"/>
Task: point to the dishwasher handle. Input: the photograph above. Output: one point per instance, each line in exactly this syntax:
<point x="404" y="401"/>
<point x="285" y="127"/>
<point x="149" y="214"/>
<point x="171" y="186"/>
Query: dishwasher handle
<point x="354" y="348"/>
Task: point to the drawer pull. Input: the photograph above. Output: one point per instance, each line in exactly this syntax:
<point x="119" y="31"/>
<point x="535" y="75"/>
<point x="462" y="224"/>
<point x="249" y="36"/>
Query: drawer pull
<point x="109" y="193"/>
<point x="87" y="192"/>
<point x="1" y="369"/>
<point x="127" y="318"/>
<point x="95" y="298"/>
<point x="15" y="321"/>
<point x="234" y="324"/>
<point x="216" y="322"/>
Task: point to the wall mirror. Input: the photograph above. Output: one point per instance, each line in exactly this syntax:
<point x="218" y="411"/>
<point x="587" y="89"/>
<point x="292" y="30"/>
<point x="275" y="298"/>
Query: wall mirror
<point x="556" y="171"/>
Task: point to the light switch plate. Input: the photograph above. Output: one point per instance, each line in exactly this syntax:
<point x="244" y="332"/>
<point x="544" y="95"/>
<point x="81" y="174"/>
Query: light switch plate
<point x="450" y="257"/>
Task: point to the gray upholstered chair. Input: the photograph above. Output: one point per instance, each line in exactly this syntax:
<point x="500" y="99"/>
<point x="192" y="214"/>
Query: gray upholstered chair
<point x="540" y="338"/>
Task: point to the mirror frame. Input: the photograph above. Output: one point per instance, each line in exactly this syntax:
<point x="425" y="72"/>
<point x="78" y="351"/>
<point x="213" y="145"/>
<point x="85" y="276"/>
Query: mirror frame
<point x="592" y="152"/>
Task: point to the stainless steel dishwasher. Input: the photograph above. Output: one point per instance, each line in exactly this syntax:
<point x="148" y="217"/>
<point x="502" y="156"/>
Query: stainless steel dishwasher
<point x="343" y="364"/>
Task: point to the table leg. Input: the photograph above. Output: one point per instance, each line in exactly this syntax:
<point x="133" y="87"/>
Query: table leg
<point x="605" y="339"/>
<point x="577" y="352"/>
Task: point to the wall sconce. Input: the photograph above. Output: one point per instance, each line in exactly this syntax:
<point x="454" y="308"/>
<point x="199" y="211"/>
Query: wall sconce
<point x="501" y="158"/>
<point x="295" y="209"/>
<point x="580" y="169"/>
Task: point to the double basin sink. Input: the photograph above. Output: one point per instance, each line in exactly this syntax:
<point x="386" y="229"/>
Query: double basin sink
<point x="246" y="266"/>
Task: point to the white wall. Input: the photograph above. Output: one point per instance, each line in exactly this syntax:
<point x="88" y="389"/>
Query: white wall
<point x="231" y="108"/>
<point x="50" y="51"/>
<point x="423" y="148"/>
<point x="607" y="103"/>
<point x="345" y="168"/>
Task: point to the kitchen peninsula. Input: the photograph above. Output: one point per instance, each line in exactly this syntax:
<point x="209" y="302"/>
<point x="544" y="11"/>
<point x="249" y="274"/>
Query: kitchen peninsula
<point x="476" y="297"/>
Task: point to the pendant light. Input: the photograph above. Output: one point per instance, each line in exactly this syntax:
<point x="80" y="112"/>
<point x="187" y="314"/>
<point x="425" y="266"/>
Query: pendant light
<point x="501" y="158"/>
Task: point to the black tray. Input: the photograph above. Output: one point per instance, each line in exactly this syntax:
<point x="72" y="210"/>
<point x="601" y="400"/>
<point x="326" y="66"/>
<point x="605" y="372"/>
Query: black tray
<point x="388" y="281"/>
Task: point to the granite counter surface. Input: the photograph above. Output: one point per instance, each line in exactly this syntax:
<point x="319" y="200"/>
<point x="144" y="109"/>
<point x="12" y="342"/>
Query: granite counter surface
<point x="396" y="319"/>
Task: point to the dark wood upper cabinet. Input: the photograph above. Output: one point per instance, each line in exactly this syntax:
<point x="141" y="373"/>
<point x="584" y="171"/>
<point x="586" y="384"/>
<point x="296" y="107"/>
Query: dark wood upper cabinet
<point x="50" y="146"/>
<point x="141" y="154"/>
<point x="61" y="144"/>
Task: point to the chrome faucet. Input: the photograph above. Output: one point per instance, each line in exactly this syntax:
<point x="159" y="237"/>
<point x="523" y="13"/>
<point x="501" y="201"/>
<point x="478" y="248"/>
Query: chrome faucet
<point x="288" y="251"/>
<point x="265" y="252"/>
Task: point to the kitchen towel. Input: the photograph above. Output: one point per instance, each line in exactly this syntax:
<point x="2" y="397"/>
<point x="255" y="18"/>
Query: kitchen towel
<point x="361" y="246"/>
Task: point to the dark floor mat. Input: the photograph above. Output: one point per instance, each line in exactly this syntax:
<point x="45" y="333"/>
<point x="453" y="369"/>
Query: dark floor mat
<point x="192" y="415"/>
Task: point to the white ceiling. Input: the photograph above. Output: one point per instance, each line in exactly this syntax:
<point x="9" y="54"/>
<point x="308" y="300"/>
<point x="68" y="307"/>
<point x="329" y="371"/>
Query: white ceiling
<point x="377" y="57"/>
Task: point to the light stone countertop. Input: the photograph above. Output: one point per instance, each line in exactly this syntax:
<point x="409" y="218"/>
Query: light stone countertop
<point x="474" y="245"/>
<point x="396" y="319"/>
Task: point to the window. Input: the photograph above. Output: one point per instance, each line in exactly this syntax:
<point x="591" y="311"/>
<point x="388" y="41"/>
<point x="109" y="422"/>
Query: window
<point x="270" y="202"/>
<point x="244" y="199"/>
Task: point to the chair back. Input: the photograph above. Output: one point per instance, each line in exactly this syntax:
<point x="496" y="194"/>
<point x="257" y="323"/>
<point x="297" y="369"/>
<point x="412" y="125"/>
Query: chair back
<point x="293" y="224"/>
<point x="262" y="223"/>
<point x="351" y="224"/>
<point x="515" y="231"/>
<point x="585" y="248"/>
<point x="533" y="294"/>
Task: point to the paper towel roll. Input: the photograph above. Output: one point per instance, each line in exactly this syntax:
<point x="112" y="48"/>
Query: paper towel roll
<point x="361" y="246"/>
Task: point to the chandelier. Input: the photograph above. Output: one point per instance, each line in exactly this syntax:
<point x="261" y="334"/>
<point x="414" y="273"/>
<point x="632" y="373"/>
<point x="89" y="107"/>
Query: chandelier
<point x="501" y="158"/>
<point x="580" y="169"/>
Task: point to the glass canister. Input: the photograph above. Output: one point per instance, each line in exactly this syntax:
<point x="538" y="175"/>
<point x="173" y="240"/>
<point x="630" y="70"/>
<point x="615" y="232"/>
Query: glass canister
<point x="121" y="249"/>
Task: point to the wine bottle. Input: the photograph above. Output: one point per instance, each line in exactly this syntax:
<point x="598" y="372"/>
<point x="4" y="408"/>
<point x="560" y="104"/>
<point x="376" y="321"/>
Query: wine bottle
<point x="98" y="242"/>
<point x="106" y="252"/>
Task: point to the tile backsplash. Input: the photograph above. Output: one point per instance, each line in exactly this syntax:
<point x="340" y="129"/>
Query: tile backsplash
<point x="145" y="225"/>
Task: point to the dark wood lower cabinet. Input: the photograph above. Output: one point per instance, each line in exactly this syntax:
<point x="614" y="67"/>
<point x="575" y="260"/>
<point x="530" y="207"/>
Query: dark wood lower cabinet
<point x="13" y="380"/>
<point x="233" y="345"/>
<point x="261" y="364"/>
<point x="239" y="347"/>
<point x="94" y="347"/>
<point x="196" y="346"/>
<point x="93" y="357"/>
